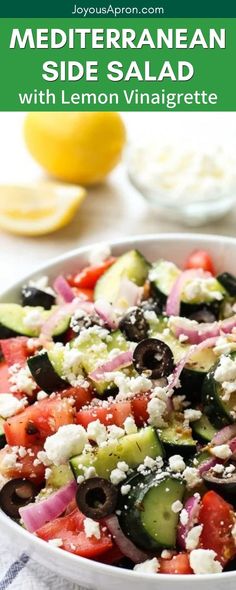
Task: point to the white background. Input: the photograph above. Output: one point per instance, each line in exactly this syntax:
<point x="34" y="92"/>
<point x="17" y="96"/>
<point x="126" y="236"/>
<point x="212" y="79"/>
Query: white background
<point x="112" y="210"/>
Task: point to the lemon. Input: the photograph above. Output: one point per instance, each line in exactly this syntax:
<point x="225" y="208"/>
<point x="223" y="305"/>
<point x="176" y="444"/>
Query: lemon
<point x="75" y="147"/>
<point x="35" y="210"/>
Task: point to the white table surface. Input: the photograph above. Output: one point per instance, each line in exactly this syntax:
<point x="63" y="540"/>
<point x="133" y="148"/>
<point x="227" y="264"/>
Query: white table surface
<point x="111" y="210"/>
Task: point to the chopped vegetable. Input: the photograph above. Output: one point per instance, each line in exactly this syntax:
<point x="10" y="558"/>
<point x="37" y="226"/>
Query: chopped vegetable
<point x="120" y="412"/>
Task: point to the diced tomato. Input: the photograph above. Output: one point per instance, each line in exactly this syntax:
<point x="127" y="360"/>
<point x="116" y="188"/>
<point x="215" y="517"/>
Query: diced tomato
<point x="36" y="422"/>
<point x="15" y="350"/>
<point x="218" y="519"/>
<point x="200" y="259"/>
<point x="139" y="409"/>
<point x="114" y="414"/>
<point x="24" y="465"/>
<point x="121" y="411"/>
<point x="70" y="529"/>
<point x="179" y="564"/>
<point x="84" y="417"/>
<point x="81" y="395"/>
<point x="87" y="278"/>
<point x="4" y="378"/>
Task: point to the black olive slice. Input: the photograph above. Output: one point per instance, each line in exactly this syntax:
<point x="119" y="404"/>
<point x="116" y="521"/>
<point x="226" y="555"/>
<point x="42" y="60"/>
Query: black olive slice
<point x="15" y="494"/>
<point x="155" y="356"/>
<point x="36" y="297"/>
<point x="134" y="325"/>
<point x="96" y="497"/>
<point x="125" y="563"/>
<point x="203" y="316"/>
<point x="225" y="486"/>
<point x="230" y="566"/>
<point x="84" y="322"/>
<point x="228" y="281"/>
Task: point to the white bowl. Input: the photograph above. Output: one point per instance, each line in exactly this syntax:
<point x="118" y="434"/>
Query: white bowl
<point x="89" y="574"/>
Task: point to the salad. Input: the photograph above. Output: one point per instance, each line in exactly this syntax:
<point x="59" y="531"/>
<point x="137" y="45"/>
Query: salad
<point x="118" y="413"/>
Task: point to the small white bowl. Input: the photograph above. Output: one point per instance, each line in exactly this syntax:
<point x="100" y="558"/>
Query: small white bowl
<point x="90" y="574"/>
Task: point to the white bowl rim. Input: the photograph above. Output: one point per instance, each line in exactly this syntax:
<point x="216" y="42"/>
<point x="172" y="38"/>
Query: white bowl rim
<point x="104" y="568"/>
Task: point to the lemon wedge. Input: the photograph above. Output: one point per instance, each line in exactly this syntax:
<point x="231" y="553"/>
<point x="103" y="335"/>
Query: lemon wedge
<point x="38" y="209"/>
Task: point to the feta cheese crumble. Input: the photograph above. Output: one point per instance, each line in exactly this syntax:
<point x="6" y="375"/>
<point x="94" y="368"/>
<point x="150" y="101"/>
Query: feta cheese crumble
<point x="150" y="566"/>
<point x="202" y="561"/>
<point x="193" y="537"/>
<point x="21" y="380"/>
<point x="130" y="426"/>
<point x="177" y="506"/>
<point x="222" y="451"/>
<point x="92" y="528"/>
<point x="203" y="289"/>
<point x="10" y="405"/>
<point x="225" y="374"/>
<point x="192" y="477"/>
<point x="156" y="409"/>
<point x="184" y="517"/>
<point x="125" y="489"/>
<point x="69" y="440"/>
<point x="41" y="395"/>
<point x="97" y="432"/>
<point x="176" y="463"/>
<point x="120" y="473"/>
<point x="191" y="415"/>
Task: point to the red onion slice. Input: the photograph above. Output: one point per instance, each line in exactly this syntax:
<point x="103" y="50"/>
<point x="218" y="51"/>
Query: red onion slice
<point x="173" y="300"/>
<point x="224" y="435"/>
<point x="61" y="312"/>
<point x="105" y="311"/>
<point x="125" y="545"/>
<point x="194" y="332"/>
<point x="173" y="380"/>
<point x="208" y="464"/>
<point x="197" y="333"/>
<point x="192" y="507"/>
<point x="36" y="515"/>
<point x="63" y="289"/>
<point x="124" y="359"/>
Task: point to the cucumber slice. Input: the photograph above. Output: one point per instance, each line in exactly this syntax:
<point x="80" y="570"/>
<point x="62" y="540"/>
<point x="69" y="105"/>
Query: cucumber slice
<point x="44" y="372"/>
<point x="196" y="369"/>
<point x="96" y="352"/>
<point x="13" y="321"/>
<point x="219" y="411"/>
<point x="194" y="372"/>
<point x="60" y="475"/>
<point x="228" y="281"/>
<point x="2" y="434"/>
<point x="163" y="276"/>
<point x="131" y="448"/>
<point x="132" y="265"/>
<point x="47" y="368"/>
<point x="147" y="517"/>
<point x="203" y="429"/>
<point x="177" y="439"/>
